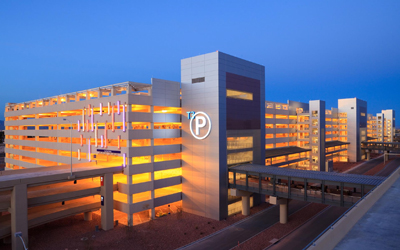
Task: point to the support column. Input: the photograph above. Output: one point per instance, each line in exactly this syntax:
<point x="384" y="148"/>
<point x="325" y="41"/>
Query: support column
<point x="99" y="93"/>
<point x="113" y="91"/>
<point x="152" y="212"/>
<point x="107" y="209"/>
<point x="387" y="156"/>
<point x="246" y="205"/>
<point x="88" y="216"/>
<point x="19" y="216"/>
<point x="283" y="207"/>
<point x="245" y="200"/>
<point x="283" y="211"/>
<point x="368" y="155"/>
<point x="152" y="209"/>
<point x="130" y="201"/>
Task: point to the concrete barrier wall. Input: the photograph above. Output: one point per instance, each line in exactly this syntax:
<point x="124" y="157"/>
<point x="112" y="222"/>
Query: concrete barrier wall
<point x="334" y="235"/>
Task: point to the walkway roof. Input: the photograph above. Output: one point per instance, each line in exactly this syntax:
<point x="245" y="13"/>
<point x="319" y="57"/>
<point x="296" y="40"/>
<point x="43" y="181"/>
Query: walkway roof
<point x="312" y="175"/>
<point x="330" y="144"/>
<point x="275" y="152"/>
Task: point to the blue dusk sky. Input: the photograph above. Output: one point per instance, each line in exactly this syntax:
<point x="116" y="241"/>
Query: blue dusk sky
<point x="310" y="49"/>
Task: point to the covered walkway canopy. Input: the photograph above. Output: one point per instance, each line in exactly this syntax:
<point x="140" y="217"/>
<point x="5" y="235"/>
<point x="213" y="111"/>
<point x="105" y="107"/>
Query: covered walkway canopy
<point x="385" y="146"/>
<point x="275" y="152"/>
<point x="330" y="144"/>
<point x="311" y="186"/>
<point x="309" y="175"/>
<point x="286" y="155"/>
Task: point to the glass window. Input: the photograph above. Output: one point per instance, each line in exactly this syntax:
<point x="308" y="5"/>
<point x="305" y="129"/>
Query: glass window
<point x="240" y="157"/>
<point x="299" y="110"/>
<point x="281" y="116"/>
<point x="239" y="142"/>
<point x="140" y="108"/>
<point x="239" y="94"/>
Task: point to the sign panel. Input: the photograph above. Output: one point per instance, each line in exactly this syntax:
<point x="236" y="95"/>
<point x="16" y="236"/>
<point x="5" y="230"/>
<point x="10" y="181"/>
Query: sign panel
<point x="108" y="152"/>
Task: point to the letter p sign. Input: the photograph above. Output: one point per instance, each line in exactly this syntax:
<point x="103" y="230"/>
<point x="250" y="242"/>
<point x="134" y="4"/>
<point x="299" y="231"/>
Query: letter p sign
<point x="200" y="120"/>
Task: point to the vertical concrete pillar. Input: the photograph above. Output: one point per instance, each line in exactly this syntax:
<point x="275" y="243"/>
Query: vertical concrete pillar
<point x="19" y="216"/>
<point x="246" y="205"/>
<point x="387" y="156"/>
<point x="152" y="209"/>
<point x="88" y="216"/>
<point x="283" y="211"/>
<point x="130" y="199"/>
<point x="107" y="209"/>
<point x="128" y="89"/>
<point x="99" y="93"/>
<point x="113" y="91"/>
<point x="368" y="155"/>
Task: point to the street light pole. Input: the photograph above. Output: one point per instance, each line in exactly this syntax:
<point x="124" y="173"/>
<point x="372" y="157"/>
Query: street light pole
<point x="70" y="134"/>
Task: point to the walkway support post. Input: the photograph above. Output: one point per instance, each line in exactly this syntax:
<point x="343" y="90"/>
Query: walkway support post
<point x="246" y="205"/>
<point x="386" y="156"/>
<point x="245" y="200"/>
<point x="283" y="211"/>
<point x="107" y="206"/>
<point x="283" y="208"/>
<point x="19" y="216"/>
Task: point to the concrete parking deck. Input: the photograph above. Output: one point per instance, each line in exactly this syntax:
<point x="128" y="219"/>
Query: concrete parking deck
<point x="379" y="227"/>
<point x="31" y="196"/>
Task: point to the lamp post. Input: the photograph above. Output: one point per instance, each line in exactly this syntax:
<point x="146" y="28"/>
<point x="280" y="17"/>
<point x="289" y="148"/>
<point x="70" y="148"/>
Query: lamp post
<point x="70" y="133"/>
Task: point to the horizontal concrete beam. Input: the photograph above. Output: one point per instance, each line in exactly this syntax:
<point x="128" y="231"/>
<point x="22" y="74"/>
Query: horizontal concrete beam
<point x="237" y="192"/>
<point x="55" y="176"/>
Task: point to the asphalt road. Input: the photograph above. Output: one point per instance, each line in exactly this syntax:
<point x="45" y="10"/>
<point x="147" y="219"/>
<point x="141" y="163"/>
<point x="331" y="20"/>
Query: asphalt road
<point x="366" y="166"/>
<point x="230" y="236"/>
<point x="310" y="230"/>
<point x="300" y="238"/>
<point x="389" y="168"/>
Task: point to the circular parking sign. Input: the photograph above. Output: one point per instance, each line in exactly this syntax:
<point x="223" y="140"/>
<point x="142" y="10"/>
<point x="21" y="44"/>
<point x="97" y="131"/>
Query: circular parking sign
<point x="200" y="122"/>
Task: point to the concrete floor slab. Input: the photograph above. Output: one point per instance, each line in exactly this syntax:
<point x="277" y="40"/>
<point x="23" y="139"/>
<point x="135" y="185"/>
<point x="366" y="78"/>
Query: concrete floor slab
<point x="379" y="228"/>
